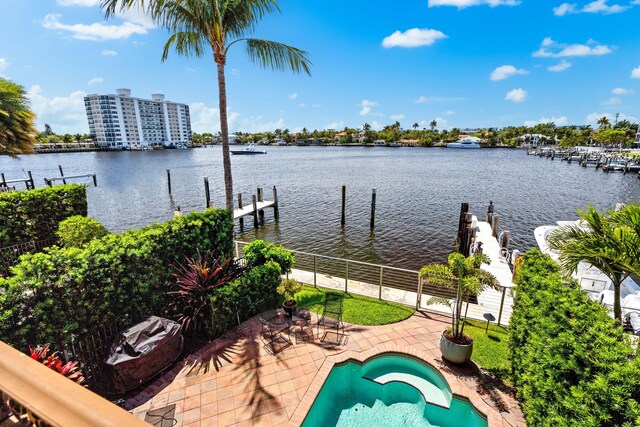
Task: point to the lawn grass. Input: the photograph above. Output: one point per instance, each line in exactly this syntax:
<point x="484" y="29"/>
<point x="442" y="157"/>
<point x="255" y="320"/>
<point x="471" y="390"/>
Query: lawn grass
<point x="357" y="309"/>
<point x="490" y="349"/>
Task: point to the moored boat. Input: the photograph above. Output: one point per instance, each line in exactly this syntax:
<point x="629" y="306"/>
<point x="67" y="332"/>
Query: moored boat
<point x="250" y="149"/>
<point x="464" y="143"/>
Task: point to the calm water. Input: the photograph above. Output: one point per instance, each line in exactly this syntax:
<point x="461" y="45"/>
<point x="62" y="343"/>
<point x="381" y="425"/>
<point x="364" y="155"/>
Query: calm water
<point x="419" y="192"/>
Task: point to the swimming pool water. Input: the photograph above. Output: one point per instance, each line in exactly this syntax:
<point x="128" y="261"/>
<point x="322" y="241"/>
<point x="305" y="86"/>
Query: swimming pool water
<point x="350" y="398"/>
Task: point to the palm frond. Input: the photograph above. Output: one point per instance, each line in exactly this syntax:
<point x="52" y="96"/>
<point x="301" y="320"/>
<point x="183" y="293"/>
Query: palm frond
<point x="278" y="56"/>
<point x="185" y="44"/>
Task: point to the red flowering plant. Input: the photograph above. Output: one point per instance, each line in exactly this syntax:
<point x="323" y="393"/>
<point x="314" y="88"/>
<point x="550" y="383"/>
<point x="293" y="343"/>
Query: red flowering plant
<point x="68" y="369"/>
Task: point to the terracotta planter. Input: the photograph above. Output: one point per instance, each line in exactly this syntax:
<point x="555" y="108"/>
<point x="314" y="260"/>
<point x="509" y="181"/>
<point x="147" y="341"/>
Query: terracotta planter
<point x="455" y="353"/>
<point x="289" y="306"/>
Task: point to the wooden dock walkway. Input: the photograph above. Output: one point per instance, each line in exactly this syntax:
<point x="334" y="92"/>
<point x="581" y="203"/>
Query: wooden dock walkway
<point x="256" y="208"/>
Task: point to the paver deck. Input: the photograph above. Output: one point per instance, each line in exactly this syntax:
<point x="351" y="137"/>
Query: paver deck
<point x="236" y="381"/>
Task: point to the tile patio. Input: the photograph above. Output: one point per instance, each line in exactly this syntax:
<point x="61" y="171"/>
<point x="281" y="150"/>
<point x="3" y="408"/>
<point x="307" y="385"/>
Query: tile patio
<point x="236" y="381"/>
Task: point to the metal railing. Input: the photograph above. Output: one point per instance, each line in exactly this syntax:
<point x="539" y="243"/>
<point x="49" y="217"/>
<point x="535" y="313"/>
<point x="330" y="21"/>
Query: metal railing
<point x="10" y="255"/>
<point x="33" y="395"/>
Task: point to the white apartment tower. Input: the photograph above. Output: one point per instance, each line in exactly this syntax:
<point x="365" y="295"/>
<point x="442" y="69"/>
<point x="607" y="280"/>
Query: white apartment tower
<point x="123" y="121"/>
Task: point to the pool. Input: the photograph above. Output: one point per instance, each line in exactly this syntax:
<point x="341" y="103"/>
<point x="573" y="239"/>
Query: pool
<point x="389" y="390"/>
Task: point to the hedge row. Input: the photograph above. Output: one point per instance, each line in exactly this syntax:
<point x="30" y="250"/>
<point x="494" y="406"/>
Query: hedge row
<point x="69" y="292"/>
<point x="572" y="364"/>
<point x="35" y="214"/>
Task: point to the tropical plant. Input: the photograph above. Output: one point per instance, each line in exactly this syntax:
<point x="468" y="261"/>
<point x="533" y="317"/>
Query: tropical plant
<point x="195" y="281"/>
<point x="260" y="252"/>
<point x="433" y="124"/>
<point x="465" y="276"/>
<point x="604" y="122"/>
<point x="599" y="241"/>
<point x="218" y="25"/>
<point x="76" y="231"/>
<point x="68" y="369"/>
<point x="288" y="288"/>
<point x="17" y="121"/>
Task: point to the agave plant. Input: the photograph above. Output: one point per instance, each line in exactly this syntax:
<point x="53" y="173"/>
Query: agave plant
<point x="196" y="278"/>
<point x="465" y="276"/>
<point x="68" y="369"/>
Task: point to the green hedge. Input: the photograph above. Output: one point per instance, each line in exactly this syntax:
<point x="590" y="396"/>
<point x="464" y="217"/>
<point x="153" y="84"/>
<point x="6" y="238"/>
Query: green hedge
<point x="70" y="292"/>
<point x="35" y="214"/>
<point x="572" y="364"/>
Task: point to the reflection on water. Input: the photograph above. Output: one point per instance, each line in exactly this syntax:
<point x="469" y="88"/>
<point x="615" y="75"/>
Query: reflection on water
<point x="419" y="192"/>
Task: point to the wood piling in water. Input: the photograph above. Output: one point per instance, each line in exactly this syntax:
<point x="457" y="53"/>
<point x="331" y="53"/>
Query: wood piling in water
<point x="241" y="219"/>
<point x="373" y="210"/>
<point x="206" y="192"/>
<point x="169" y="180"/>
<point x="344" y="197"/>
<point x="260" y="199"/>
<point x="495" y="226"/>
<point x="276" y="210"/>
<point x="255" y="211"/>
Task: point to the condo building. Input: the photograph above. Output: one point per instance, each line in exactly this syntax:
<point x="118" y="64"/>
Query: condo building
<point x="122" y="122"/>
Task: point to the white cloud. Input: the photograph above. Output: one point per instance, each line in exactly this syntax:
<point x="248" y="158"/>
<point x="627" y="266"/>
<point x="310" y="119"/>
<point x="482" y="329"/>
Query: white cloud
<point x="635" y="73"/>
<point x="302" y="105"/>
<point x="558" y="121"/>
<point x="592" y="119"/>
<point x="414" y="37"/>
<point x="560" y="50"/>
<point x="611" y="101"/>
<point x="109" y="53"/>
<point x="95" y="81"/>
<point x="293" y="96"/>
<point x="425" y="100"/>
<point x="516" y="95"/>
<point x="367" y="106"/>
<point x="397" y="117"/>
<point x="621" y="90"/>
<point x="65" y="114"/>
<point x="4" y="64"/>
<point x="207" y="119"/>
<point x="317" y="106"/>
<point x="506" y="71"/>
<point x="597" y="6"/>
<point x="559" y="67"/>
<point x="449" y="112"/>
<point x="96" y="31"/>
<point x="335" y="125"/>
<point x="421" y="100"/>
<point x="461" y="4"/>
<point x="441" y="121"/>
<point x="564" y="9"/>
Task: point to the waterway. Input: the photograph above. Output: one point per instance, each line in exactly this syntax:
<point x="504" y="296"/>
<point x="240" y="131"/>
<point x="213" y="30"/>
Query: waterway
<point x="419" y="192"/>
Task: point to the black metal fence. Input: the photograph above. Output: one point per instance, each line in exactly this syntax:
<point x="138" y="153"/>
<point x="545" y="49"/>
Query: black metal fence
<point x="10" y="255"/>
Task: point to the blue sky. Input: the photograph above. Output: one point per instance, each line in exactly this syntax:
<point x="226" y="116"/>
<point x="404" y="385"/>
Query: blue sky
<point x="466" y="63"/>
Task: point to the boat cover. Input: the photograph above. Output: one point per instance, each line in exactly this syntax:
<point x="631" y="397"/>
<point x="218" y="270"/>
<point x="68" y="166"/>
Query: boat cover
<point x="140" y="352"/>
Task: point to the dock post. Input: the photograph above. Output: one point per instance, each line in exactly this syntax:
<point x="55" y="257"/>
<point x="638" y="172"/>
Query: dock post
<point x="344" y="196"/>
<point x="464" y="208"/>
<point x="64" y="181"/>
<point x="255" y="211"/>
<point x="95" y="180"/>
<point x="495" y="227"/>
<point x="241" y="219"/>
<point x="465" y="236"/>
<point x="30" y="184"/>
<point x="489" y="211"/>
<point x="260" y="199"/>
<point x="169" y="180"/>
<point x="276" y="210"/>
<point x="177" y="212"/>
<point x="373" y="210"/>
<point x="206" y="191"/>
<point x="48" y="182"/>
<point x="504" y="291"/>
<point x="505" y="239"/>
<point x="3" y="180"/>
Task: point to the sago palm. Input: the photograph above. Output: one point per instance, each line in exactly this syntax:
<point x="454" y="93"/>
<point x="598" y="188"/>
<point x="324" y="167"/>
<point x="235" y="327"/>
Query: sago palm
<point x="465" y="276"/>
<point x="17" y="127"/>
<point x="599" y="241"/>
<point x="212" y="27"/>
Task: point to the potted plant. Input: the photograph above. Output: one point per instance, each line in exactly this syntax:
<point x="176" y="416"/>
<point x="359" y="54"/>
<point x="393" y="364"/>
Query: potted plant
<point x="288" y="288"/>
<point x="467" y="278"/>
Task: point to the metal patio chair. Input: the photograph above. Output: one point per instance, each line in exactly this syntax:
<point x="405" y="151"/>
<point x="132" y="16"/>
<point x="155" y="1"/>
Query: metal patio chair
<point x="273" y="332"/>
<point x="331" y="317"/>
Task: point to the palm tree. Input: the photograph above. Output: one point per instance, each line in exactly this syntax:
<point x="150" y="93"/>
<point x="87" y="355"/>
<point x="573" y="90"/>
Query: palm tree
<point x="196" y="25"/>
<point x="366" y="127"/>
<point x="17" y="127"/>
<point x="601" y="242"/>
<point x="433" y="124"/>
<point x="415" y="126"/>
<point x="604" y="123"/>
<point x="465" y="276"/>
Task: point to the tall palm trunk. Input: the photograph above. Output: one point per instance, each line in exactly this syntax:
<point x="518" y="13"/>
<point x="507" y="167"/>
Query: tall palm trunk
<point x="224" y="130"/>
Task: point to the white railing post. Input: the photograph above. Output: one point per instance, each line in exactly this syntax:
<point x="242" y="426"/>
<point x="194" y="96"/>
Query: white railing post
<point x="346" y="279"/>
<point x="381" y="275"/>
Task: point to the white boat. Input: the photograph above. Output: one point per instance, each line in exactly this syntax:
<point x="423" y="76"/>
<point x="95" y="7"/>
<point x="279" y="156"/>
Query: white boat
<point x="593" y="281"/>
<point x="250" y="149"/>
<point x="464" y="143"/>
<point x="395" y="144"/>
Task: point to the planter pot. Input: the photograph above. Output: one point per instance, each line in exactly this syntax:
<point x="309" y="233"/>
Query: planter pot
<point x="455" y="353"/>
<point x="289" y="306"/>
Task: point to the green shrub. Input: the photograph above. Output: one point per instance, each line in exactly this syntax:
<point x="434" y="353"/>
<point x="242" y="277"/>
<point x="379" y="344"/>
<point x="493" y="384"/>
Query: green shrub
<point x="76" y="231"/>
<point x="35" y="214"/>
<point x="572" y="364"/>
<point x="70" y="292"/>
<point x="260" y="252"/>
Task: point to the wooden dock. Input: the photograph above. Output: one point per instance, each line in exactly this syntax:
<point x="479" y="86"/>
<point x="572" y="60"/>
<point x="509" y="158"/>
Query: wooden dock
<point x="256" y="208"/>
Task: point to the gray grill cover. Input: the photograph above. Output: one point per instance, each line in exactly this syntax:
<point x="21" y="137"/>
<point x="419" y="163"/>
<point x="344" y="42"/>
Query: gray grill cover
<point x="142" y="351"/>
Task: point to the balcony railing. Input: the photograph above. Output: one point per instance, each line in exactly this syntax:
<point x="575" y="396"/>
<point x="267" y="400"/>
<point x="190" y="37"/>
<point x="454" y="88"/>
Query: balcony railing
<point x="33" y="395"/>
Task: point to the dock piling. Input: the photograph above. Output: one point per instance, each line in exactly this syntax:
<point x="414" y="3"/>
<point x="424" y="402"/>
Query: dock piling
<point x="169" y="180"/>
<point x="495" y="226"/>
<point x="505" y="239"/>
<point x="30" y="184"/>
<point x="206" y="192"/>
<point x="3" y="180"/>
<point x="255" y="211"/>
<point x="344" y="196"/>
<point x="489" y="211"/>
<point x="373" y="209"/>
<point x="241" y="219"/>
<point x="260" y="199"/>
<point x="276" y="210"/>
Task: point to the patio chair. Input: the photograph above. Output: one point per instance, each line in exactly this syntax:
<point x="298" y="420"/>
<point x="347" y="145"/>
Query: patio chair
<point x="331" y="317"/>
<point x="272" y="333"/>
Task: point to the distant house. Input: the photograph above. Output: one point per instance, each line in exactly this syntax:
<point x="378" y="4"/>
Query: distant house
<point x="409" y="142"/>
<point x="339" y="135"/>
<point x="470" y="138"/>
<point x="533" y="139"/>
<point x="379" y="142"/>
